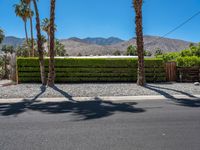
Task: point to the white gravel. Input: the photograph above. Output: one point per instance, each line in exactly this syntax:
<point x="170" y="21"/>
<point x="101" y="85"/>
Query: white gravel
<point x="96" y="89"/>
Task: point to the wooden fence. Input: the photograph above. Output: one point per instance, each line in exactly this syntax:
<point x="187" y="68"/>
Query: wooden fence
<point x="181" y="74"/>
<point x="171" y="71"/>
<point x="188" y="74"/>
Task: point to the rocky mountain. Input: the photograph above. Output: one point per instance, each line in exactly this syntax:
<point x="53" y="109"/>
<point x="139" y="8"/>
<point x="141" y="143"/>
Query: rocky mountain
<point x="75" y="46"/>
<point x="107" y="46"/>
<point x="11" y="40"/>
<point x="151" y="43"/>
<point x="98" y="41"/>
<point x="103" y="41"/>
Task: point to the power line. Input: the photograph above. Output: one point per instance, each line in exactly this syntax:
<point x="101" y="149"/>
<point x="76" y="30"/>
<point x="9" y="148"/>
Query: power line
<point x="177" y="27"/>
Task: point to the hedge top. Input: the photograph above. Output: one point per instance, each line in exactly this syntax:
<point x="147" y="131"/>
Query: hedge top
<point x="91" y="62"/>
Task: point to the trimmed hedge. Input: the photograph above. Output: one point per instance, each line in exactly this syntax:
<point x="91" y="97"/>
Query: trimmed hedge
<point x="192" y="61"/>
<point x="92" y="70"/>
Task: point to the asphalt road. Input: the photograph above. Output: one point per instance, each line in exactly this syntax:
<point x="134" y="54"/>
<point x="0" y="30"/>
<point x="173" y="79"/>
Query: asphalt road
<point x="144" y="125"/>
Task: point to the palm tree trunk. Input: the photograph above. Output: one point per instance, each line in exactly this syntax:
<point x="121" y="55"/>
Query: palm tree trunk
<point x="32" y="39"/>
<point x="140" y="44"/>
<point x="51" y="75"/>
<point x="5" y="67"/>
<point x="25" y="27"/>
<point x="40" y="47"/>
<point x="48" y="45"/>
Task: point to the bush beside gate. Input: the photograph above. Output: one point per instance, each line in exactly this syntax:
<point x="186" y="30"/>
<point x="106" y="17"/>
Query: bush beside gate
<point x="74" y="70"/>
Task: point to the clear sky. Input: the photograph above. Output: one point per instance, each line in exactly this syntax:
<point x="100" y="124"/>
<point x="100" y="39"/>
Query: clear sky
<point x="105" y="18"/>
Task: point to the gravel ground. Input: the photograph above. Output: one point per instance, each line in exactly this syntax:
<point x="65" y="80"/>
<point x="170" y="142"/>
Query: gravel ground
<point x="95" y="89"/>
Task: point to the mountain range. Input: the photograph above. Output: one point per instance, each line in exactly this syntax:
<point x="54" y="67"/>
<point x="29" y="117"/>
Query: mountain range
<point x="98" y="41"/>
<point x="107" y="46"/>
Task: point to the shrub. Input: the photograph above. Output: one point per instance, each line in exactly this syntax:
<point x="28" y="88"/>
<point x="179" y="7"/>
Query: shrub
<point x="59" y="48"/>
<point x="131" y="50"/>
<point x="186" y="52"/>
<point x="195" y="50"/>
<point x="117" y="53"/>
<point x="92" y="69"/>
<point x="147" y="53"/>
<point x="169" y="56"/>
<point x="158" y="51"/>
<point x="7" y="49"/>
<point x="188" y="61"/>
<point x="2" y="67"/>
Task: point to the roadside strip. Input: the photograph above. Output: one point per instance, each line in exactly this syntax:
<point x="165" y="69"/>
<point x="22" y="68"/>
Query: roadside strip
<point x="102" y="98"/>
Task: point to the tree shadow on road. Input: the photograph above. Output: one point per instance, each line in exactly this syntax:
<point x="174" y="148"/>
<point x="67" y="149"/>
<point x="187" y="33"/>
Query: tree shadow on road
<point x="20" y="107"/>
<point x="85" y="110"/>
<point x="191" y="101"/>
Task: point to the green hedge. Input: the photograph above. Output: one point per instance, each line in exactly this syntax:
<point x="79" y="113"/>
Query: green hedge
<point x="92" y="69"/>
<point x="192" y="61"/>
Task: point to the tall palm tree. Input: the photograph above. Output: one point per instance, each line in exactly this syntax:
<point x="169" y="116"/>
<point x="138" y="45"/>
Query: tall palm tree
<point x="51" y="75"/>
<point x="1" y="35"/>
<point x="28" y="3"/>
<point x="23" y="12"/>
<point x="140" y="44"/>
<point x="40" y="45"/>
<point x="46" y="28"/>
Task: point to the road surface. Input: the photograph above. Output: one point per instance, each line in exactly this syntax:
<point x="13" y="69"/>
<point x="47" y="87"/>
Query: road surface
<point x="138" y="125"/>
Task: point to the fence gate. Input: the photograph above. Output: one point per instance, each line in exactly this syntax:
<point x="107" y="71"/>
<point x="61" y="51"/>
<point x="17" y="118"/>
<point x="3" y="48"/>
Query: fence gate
<point x="188" y="74"/>
<point x="171" y="70"/>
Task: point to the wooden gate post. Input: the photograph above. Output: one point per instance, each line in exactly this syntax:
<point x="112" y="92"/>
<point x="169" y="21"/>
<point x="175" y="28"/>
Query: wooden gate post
<point x="171" y="71"/>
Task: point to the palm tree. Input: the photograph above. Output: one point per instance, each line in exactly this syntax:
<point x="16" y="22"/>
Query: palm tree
<point x="23" y="12"/>
<point x="28" y="3"/>
<point x="46" y="28"/>
<point x="40" y="45"/>
<point x="140" y="44"/>
<point x="1" y="35"/>
<point x="51" y="75"/>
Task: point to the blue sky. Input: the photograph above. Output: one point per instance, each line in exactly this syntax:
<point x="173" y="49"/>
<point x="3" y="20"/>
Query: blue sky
<point x="105" y="18"/>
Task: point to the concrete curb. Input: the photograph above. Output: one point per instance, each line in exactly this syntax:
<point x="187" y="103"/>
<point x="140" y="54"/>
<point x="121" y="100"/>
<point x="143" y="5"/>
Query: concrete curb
<point x="6" y="83"/>
<point x="102" y="98"/>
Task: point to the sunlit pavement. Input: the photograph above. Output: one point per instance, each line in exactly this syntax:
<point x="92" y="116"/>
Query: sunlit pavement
<point x="100" y="125"/>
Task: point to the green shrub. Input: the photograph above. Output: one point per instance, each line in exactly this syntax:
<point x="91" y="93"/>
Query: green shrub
<point x="92" y="69"/>
<point x="117" y="53"/>
<point x="188" y="61"/>
<point x="169" y="56"/>
<point x="131" y="50"/>
<point x="2" y="66"/>
<point x="186" y="58"/>
<point x="158" y="51"/>
<point x="186" y="52"/>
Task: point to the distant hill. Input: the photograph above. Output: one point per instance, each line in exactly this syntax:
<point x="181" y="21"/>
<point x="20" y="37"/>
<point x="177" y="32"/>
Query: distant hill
<point x="11" y="40"/>
<point x="74" y="46"/>
<point x="151" y="43"/>
<point x="107" y="46"/>
<point x="98" y="41"/>
<point x="103" y="41"/>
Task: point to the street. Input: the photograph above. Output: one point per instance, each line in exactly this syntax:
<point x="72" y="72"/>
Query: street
<point x="98" y="125"/>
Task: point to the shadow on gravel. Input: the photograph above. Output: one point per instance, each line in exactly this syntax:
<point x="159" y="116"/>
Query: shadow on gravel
<point x="42" y="90"/>
<point x="65" y="94"/>
<point x="192" y="101"/>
